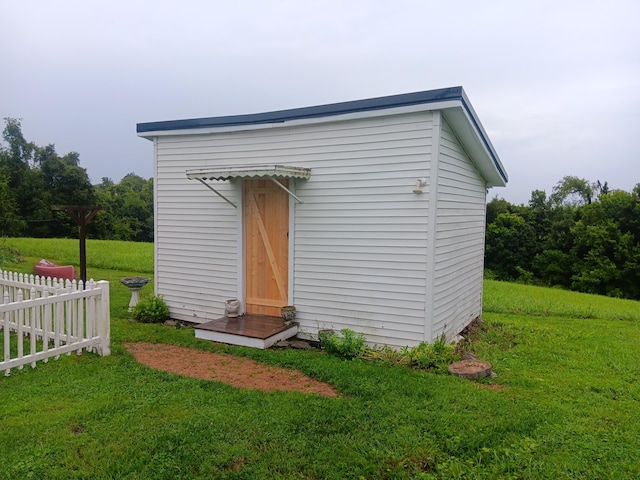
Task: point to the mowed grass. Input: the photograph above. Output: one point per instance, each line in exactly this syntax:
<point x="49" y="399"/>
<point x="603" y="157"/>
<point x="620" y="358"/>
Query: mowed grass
<point x="504" y="297"/>
<point x="105" y="254"/>
<point x="565" y="405"/>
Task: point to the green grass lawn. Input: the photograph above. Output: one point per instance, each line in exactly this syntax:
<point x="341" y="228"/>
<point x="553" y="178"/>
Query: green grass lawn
<point x="104" y="254"/>
<point x="568" y="404"/>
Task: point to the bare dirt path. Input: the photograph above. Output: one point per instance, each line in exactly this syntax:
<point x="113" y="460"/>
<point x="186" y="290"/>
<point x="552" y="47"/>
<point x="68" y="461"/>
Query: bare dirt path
<point x="237" y="371"/>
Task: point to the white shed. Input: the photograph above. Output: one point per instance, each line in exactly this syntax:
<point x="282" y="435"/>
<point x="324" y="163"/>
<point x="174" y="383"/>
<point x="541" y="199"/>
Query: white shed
<point x="368" y="215"/>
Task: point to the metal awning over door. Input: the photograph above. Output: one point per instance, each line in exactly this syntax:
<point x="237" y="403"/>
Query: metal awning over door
<point x="272" y="172"/>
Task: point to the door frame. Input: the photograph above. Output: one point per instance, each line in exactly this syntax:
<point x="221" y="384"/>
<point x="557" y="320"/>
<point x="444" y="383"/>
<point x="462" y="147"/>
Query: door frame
<point x="240" y="276"/>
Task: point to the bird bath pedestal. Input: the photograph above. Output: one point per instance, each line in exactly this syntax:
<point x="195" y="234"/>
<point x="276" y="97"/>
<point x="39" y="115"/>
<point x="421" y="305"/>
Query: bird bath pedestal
<point x="134" y="284"/>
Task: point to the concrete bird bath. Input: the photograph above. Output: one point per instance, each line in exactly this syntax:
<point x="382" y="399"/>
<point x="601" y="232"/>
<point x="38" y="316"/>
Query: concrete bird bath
<point x="134" y="284"/>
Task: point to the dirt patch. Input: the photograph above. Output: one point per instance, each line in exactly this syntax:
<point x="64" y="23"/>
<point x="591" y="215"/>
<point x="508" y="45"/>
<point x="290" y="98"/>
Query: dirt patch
<point x="492" y="386"/>
<point x="476" y="326"/>
<point x="236" y="371"/>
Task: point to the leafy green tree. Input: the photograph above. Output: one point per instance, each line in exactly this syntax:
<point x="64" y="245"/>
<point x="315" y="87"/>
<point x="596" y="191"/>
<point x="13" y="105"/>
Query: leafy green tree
<point x="497" y="206"/>
<point x="35" y="178"/>
<point x="595" y="270"/>
<point x="34" y="206"/>
<point x="606" y="246"/>
<point x="32" y="180"/>
<point x="129" y="212"/>
<point x="572" y="191"/>
<point x="10" y="222"/>
<point x="552" y="264"/>
<point x="510" y="246"/>
<point x="585" y="236"/>
<point x="14" y="158"/>
<point x="18" y="156"/>
<point x="539" y="202"/>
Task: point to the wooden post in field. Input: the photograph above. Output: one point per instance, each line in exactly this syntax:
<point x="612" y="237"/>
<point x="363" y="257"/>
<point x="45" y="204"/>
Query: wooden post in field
<point x="81" y="215"/>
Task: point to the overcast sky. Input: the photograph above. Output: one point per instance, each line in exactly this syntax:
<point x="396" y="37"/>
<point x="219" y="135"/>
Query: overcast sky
<point x="556" y="84"/>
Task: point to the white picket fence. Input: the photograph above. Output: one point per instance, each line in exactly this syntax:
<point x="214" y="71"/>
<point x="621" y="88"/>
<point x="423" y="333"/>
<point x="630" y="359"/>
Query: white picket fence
<point x="48" y="318"/>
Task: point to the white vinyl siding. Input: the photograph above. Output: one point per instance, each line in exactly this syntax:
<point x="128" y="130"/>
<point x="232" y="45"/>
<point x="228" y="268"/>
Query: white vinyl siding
<point x="360" y="234"/>
<point x="196" y="237"/>
<point x="367" y="253"/>
<point x="459" y="238"/>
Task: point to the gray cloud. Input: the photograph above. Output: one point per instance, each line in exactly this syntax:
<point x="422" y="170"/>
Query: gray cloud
<point x="556" y="84"/>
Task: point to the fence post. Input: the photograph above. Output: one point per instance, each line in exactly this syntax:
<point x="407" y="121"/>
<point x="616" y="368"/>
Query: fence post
<point x="19" y="319"/>
<point x="46" y="324"/>
<point x="7" y="335"/>
<point x="103" y="315"/>
<point x="34" y="325"/>
<point x="58" y="320"/>
<point x="80" y="319"/>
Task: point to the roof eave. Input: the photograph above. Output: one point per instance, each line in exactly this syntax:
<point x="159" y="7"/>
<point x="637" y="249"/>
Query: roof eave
<point x="453" y="102"/>
<point x="281" y="116"/>
<point x="477" y="145"/>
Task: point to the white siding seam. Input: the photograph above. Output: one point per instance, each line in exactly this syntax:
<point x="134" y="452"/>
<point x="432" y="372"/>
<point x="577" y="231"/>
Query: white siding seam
<point x="240" y="281"/>
<point x="432" y="217"/>
<point x="155" y="213"/>
<point x="484" y="239"/>
<point x="291" y="238"/>
<point x="458" y="288"/>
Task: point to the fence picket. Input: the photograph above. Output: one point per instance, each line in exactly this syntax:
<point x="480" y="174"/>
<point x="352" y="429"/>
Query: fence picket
<point x="33" y="313"/>
<point x="57" y="320"/>
<point x="80" y="329"/>
<point x="68" y="315"/>
<point x="7" y="336"/>
<point x="19" y="320"/>
<point x="46" y="328"/>
<point x="91" y="313"/>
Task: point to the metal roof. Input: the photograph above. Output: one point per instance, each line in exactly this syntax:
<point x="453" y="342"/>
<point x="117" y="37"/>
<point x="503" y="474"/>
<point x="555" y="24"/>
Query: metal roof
<point x="250" y="171"/>
<point x="403" y="100"/>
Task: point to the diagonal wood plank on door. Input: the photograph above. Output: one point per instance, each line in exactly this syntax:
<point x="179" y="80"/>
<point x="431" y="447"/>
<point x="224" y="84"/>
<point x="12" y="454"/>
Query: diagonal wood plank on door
<point x="267" y="245"/>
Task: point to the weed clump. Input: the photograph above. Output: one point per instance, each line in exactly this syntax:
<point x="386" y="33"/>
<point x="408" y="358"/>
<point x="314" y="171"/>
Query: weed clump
<point x="348" y="345"/>
<point x="151" y="310"/>
<point x="434" y="356"/>
<point x="8" y="254"/>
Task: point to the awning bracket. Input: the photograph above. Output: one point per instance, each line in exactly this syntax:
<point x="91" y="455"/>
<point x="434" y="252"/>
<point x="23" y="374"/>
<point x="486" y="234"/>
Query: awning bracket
<point x="217" y="192"/>
<point x="272" y="172"/>
<point x="285" y="189"/>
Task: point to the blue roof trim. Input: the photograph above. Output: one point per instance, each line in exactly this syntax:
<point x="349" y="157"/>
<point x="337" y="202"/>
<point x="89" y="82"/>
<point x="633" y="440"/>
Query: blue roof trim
<point x="403" y="100"/>
<point x="379" y="103"/>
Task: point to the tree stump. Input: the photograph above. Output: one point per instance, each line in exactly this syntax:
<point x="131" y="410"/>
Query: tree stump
<point x="471" y="369"/>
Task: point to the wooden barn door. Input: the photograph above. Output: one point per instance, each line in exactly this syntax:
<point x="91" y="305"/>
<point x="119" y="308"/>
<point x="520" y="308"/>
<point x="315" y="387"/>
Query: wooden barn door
<point x="266" y="233"/>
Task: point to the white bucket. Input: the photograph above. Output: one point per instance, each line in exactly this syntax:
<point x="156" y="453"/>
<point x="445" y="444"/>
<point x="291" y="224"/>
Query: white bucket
<point x="232" y="308"/>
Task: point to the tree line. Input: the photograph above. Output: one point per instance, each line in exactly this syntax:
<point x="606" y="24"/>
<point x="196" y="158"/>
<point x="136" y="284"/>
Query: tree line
<point x="34" y="178"/>
<point x="584" y="237"/>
